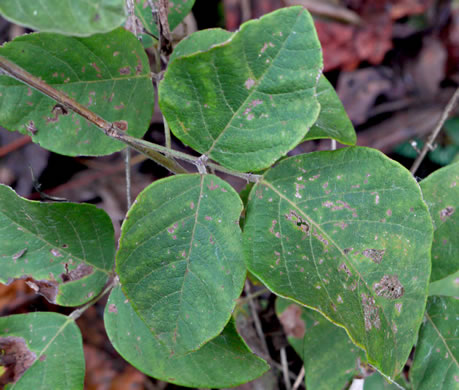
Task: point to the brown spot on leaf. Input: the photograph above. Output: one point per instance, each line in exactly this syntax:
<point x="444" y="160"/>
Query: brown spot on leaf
<point x="79" y="272"/>
<point x="97" y="69"/>
<point x="47" y="288"/>
<point x="446" y="212"/>
<point x="374" y="254"/>
<point x="56" y="112"/>
<point x="56" y="253"/>
<point x="19" y="254"/>
<point x="370" y="312"/>
<point x="126" y="70"/>
<point x="42" y="358"/>
<point x="249" y="83"/>
<point x="389" y="287"/>
<point x="343" y="267"/>
<point x="292" y="323"/>
<point x="15" y="357"/>
<point x="120" y="107"/>
<point x="212" y="186"/>
<point x="30" y="127"/>
<point x="298" y="221"/>
<point x="172" y="228"/>
<point x="112" y="308"/>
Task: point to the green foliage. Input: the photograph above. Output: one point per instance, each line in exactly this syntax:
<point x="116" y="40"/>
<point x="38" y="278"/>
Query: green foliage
<point x="180" y="260"/>
<point x="441" y="193"/>
<point x="66" y="248"/>
<point x="107" y="73"/>
<point x="437" y="353"/>
<point x="178" y="9"/>
<point x="352" y="243"/>
<point x="48" y="349"/>
<point x="78" y="17"/>
<point x="247" y="101"/>
<point x="321" y="345"/>
<point x="346" y="233"/>
<point x="333" y="121"/>
<point x="448" y="286"/>
<point x="223" y="362"/>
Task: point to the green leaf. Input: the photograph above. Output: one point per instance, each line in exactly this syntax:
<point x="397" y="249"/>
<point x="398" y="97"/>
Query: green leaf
<point x="178" y="10"/>
<point x="447" y="286"/>
<point x="43" y="350"/>
<point x="180" y="260"/>
<point x="321" y="345"/>
<point x="222" y="362"/>
<point x="377" y="382"/>
<point x="435" y="361"/>
<point x="249" y="100"/>
<point x="452" y="129"/>
<point x="67" y="249"/>
<point x="108" y="73"/>
<point x="345" y="232"/>
<point x="80" y="18"/>
<point x="333" y="121"/>
<point x="441" y="193"/>
<point x="200" y="41"/>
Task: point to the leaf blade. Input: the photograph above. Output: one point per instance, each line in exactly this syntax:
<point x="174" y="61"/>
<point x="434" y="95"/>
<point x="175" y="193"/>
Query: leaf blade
<point x="66" y="248"/>
<point x="321" y="345"/>
<point x="301" y="227"/>
<point x="189" y="268"/>
<point x="333" y="121"/>
<point x="43" y="341"/>
<point x="226" y="359"/>
<point x="245" y="113"/>
<point x="435" y="364"/>
<point x="108" y="73"/>
<point x="78" y="18"/>
<point x="441" y="193"/>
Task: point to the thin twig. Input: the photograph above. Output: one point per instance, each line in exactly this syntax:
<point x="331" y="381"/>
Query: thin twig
<point x="167" y="134"/>
<point x="283" y="356"/>
<point x="299" y="380"/>
<point x="256" y="319"/>
<point x="78" y="312"/>
<point x="163" y="27"/>
<point x="245" y="299"/>
<point x="429" y="144"/>
<point x="131" y="23"/>
<point x="158" y="153"/>
<point x="127" y="170"/>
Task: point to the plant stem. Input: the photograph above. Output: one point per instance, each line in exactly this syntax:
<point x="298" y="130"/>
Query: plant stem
<point x="429" y="144"/>
<point x="299" y="379"/>
<point x="74" y="315"/>
<point x="167" y="134"/>
<point x="127" y="170"/>
<point x="245" y="299"/>
<point x="149" y="149"/>
<point x="283" y="356"/>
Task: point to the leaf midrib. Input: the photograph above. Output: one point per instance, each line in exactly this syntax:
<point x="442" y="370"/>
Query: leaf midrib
<point x="255" y="88"/>
<point x="349" y="263"/>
